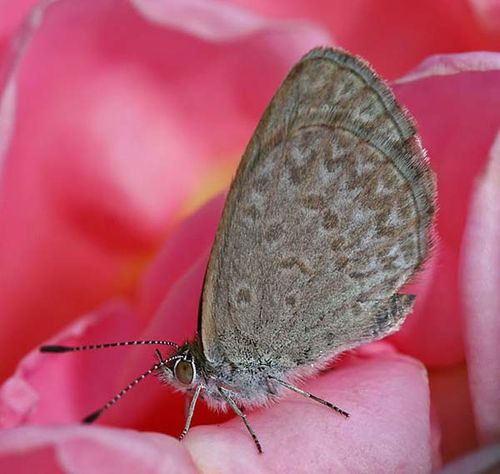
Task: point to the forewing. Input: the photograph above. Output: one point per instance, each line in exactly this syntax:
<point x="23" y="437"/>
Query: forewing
<point x="327" y="217"/>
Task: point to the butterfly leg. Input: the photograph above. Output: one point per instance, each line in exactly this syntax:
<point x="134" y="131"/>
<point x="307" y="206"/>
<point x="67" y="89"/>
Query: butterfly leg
<point x="270" y="387"/>
<point x="190" y="412"/>
<point x="188" y="398"/>
<point x="243" y="417"/>
<point x="311" y="396"/>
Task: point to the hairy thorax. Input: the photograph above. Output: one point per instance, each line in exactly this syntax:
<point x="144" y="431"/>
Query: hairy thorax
<point x="248" y="384"/>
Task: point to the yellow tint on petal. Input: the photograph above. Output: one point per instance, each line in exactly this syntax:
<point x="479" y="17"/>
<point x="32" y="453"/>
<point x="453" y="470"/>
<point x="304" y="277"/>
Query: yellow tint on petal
<point x="213" y="181"/>
<point x="132" y="270"/>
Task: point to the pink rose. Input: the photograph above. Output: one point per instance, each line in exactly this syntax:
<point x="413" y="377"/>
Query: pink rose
<point x="121" y="125"/>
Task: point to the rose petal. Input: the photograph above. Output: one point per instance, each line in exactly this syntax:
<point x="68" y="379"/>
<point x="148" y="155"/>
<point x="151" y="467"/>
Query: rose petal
<point x="389" y="429"/>
<point x="453" y="409"/>
<point x="7" y="106"/>
<point x="394" y="36"/>
<point x="13" y="13"/>
<point x="81" y="382"/>
<point x="488" y="12"/>
<point x="174" y="321"/>
<point x="191" y="240"/>
<point x="457" y="115"/>
<point x="486" y="460"/>
<point x="217" y="20"/>
<point x="90" y="449"/>
<point x="481" y="281"/>
<point x="448" y="64"/>
<point x="10" y="57"/>
<point x="55" y="388"/>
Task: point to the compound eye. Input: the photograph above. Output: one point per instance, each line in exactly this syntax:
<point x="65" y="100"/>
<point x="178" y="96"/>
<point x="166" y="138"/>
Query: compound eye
<point x="184" y="372"/>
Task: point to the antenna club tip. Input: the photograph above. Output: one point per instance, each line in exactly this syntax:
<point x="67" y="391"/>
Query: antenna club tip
<point x="92" y="417"/>
<point x="55" y="348"/>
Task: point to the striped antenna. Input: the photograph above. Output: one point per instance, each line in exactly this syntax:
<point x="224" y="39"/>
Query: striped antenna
<point x="89" y="347"/>
<point x="96" y="414"/>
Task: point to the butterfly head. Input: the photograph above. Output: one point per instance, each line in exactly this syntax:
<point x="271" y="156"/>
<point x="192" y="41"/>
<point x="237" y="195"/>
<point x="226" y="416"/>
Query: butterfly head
<point x="179" y="369"/>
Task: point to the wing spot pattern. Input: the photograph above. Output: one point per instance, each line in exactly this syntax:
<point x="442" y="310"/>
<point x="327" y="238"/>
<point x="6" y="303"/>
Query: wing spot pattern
<point x="295" y="262"/>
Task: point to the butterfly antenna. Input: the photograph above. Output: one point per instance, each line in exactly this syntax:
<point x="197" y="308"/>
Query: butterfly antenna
<point x="89" y="347"/>
<point x="96" y="414"/>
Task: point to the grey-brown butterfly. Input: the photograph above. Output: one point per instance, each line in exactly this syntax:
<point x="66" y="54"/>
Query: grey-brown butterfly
<point x="328" y="217"/>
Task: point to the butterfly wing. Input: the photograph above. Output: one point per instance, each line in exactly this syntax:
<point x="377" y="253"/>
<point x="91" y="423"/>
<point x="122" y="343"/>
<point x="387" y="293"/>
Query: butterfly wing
<point x="328" y="216"/>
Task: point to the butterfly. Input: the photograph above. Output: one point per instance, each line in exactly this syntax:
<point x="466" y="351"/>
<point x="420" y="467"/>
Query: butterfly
<point x="329" y="215"/>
